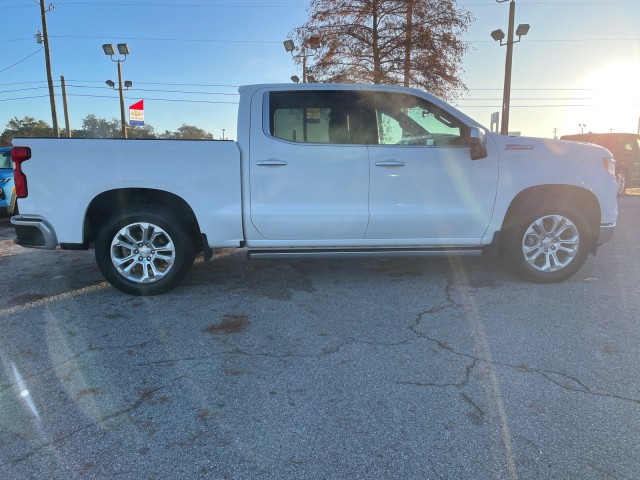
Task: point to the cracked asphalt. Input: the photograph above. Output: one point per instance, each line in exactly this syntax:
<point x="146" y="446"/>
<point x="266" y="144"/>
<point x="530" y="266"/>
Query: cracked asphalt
<point x="332" y="369"/>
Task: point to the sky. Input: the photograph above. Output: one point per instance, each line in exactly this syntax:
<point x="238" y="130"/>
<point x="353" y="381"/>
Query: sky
<point x="578" y="68"/>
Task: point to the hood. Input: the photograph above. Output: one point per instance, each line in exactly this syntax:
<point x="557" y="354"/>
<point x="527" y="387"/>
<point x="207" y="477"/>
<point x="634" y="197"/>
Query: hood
<point x="524" y="146"/>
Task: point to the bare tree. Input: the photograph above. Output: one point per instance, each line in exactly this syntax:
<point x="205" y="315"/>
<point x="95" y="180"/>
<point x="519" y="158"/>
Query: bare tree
<point x="409" y="42"/>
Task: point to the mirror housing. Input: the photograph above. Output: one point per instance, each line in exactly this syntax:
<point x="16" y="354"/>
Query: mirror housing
<point x="477" y="143"/>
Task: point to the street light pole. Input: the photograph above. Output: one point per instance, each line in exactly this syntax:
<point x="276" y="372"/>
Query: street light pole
<point x="314" y="44"/>
<point x="123" y="121"/>
<point x="498" y="36"/>
<point x="123" y="49"/>
<point x="506" y="96"/>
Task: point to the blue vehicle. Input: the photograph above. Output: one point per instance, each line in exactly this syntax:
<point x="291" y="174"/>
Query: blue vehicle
<point x="7" y="187"/>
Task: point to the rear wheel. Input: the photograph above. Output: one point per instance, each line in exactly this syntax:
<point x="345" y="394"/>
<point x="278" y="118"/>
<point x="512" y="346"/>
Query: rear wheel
<point x="549" y="245"/>
<point x="144" y="252"/>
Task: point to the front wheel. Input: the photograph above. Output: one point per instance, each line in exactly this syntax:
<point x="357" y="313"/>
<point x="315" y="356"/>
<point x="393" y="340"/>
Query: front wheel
<point x="144" y="252"/>
<point x="549" y="246"/>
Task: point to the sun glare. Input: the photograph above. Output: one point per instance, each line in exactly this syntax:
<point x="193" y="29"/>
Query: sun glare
<point x="616" y="99"/>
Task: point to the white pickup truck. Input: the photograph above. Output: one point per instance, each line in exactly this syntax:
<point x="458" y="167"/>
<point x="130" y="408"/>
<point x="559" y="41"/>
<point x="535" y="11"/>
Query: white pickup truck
<point x="318" y="170"/>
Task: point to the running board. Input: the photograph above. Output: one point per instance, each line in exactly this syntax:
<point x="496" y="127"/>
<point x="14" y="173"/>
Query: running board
<point x="366" y="253"/>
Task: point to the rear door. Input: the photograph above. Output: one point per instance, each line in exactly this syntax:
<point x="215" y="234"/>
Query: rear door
<point x="309" y="170"/>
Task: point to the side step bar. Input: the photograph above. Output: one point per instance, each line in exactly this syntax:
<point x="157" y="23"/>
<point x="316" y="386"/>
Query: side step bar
<point x="366" y="253"/>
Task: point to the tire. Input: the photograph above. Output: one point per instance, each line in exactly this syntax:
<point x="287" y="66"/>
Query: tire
<point x="144" y="252"/>
<point x="621" y="180"/>
<point x="548" y="245"/>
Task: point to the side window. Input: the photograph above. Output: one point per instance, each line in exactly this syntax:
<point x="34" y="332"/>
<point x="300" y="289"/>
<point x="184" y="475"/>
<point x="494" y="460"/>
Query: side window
<point x="299" y="124"/>
<point x="407" y="120"/>
<point x="335" y="117"/>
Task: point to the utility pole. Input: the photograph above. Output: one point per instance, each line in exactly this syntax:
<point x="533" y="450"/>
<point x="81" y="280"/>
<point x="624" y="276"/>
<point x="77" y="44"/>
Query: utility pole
<point x="409" y="45"/>
<point x="47" y="59"/>
<point x="66" y="108"/>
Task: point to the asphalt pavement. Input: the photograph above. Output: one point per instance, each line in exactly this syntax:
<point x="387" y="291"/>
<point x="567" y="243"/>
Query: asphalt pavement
<point x="323" y="369"/>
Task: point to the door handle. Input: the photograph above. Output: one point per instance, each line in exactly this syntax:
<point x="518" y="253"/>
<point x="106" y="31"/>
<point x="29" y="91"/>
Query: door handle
<point x="272" y="162"/>
<point x="390" y="163"/>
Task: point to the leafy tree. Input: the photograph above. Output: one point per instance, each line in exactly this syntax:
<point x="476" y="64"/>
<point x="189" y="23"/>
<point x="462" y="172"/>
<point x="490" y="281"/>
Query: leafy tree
<point x="24" y="127"/>
<point x="410" y="42"/>
<point x="95" y="127"/>
<point x="187" y="132"/>
<point x="145" y="131"/>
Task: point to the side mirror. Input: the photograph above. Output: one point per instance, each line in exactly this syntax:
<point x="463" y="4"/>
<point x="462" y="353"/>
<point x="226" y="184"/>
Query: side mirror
<point x="477" y="143"/>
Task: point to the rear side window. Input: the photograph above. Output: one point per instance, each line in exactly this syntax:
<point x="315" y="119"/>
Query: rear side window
<point x="333" y="117"/>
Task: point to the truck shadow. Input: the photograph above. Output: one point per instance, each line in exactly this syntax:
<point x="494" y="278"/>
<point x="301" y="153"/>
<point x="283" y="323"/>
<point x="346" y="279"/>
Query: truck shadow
<point x="279" y="279"/>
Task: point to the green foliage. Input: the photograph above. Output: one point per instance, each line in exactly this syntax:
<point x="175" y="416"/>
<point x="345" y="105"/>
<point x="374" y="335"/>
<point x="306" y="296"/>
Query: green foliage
<point x="95" y="127"/>
<point x="187" y="132"/>
<point x="24" y="127"/>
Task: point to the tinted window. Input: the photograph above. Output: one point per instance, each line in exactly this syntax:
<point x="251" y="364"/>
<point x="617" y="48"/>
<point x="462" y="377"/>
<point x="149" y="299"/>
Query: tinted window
<point x="322" y="117"/>
<point x="5" y="160"/>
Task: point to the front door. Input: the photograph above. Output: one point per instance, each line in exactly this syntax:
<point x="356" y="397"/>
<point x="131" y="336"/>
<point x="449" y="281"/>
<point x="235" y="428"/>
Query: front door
<point x="424" y="184"/>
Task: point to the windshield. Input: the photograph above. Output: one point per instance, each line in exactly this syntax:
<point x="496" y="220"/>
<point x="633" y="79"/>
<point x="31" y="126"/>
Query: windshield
<point x="5" y="160"/>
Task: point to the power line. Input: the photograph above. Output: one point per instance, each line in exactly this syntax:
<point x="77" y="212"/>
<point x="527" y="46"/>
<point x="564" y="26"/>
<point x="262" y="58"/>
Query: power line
<point x="155" y="99"/>
<point x="277" y="42"/>
<point x="20" y="61"/>
<point x="154" y="39"/>
<point x="22" y="89"/>
<point x="584" y="105"/>
<point x="164" y="91"/>
<point x="197" y="5"/>
<point x="156" y="5"/>
<point x="538" y="106"/>
<point x="165" y="83"/>
<point x="600" y="3"/>
<point x="22" y="98"/>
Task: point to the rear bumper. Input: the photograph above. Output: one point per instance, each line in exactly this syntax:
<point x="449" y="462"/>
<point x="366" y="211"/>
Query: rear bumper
<point x="34" y="232"/>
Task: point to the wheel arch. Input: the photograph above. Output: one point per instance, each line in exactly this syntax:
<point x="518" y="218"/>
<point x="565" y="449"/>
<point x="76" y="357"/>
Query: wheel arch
<point x="119" y="201"/>
<point x="549" y="196"/>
